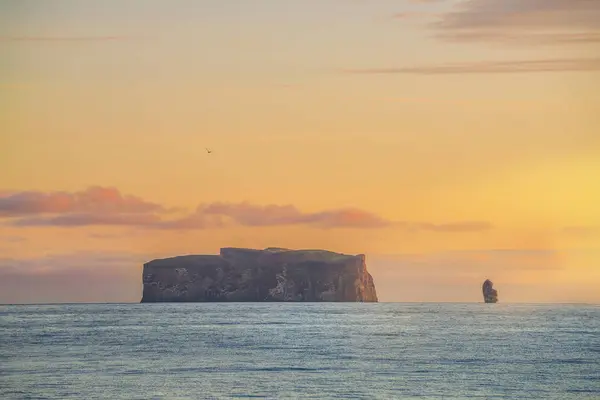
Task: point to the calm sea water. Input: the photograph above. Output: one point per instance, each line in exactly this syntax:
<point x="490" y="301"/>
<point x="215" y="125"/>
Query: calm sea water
<point x="310" y="350"/>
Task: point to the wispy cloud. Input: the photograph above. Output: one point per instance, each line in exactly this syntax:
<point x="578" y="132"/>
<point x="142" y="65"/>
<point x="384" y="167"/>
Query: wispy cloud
<point x="492" y="67"/>
<point x="516" y="22"/>
<point x="99" y="206"/>
<point x="89" y="219"/>
<point x="533" y="38"/>
<point x="253" y="215"/>
<point x="521" y="21"/>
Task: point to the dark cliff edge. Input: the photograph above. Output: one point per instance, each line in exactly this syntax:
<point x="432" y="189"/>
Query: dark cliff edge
<point x="269" y="275"/>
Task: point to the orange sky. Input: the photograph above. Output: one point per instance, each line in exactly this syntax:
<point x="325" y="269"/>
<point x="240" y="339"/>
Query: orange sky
<point x="450" y="141"/>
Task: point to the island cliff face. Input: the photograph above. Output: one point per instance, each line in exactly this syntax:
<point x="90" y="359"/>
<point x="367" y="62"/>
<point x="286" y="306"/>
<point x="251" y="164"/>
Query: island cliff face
<point x="247" y="275"/>
<point x="490" y="295"/>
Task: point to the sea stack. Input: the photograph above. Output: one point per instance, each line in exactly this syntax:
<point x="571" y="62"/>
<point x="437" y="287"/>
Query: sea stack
<point x="248" y="275"/>
<point x="490" y="295"/>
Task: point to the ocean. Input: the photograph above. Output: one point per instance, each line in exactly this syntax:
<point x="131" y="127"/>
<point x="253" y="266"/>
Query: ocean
<point x="300" y="350"/>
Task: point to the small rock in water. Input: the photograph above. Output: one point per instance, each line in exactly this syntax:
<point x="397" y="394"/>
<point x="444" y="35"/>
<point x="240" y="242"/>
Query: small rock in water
<point x="490" y="295"/>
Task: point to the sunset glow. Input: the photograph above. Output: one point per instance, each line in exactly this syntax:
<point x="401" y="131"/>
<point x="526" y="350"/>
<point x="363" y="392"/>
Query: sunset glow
<point x="449" y="141"/>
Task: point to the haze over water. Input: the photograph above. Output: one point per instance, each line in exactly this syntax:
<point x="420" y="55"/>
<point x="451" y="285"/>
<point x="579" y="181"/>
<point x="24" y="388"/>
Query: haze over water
<point x="302" y="350"/>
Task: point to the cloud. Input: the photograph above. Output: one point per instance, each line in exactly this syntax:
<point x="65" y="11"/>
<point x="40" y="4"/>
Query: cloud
<point x="517" y="38"/>
<point x="99" y="206"/>
<point x="517" y="22"/>
<point x="521" y="21"/>
<point x="491" y="67"/>
<point x="247" y="214"/>
<point x="191" y="222"/>
<point x="253" y="215"/>
<point x="95" y="199"/>
<point x="87" y="219"/>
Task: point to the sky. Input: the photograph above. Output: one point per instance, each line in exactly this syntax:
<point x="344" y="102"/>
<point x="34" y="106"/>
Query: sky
<point x="450" y="141"/>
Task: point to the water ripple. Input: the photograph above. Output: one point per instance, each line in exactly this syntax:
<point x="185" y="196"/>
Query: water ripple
<point x="316" y="350"/>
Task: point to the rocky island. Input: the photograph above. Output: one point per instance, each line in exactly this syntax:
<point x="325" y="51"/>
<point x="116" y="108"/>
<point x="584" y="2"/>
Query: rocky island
<point x="248" y="275"/>
<point x="490" y="295"/>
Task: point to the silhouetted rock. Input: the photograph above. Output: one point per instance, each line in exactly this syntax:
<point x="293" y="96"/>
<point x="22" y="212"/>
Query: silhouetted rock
<point x="490" y="295"/>
<point x="272" y="274"/>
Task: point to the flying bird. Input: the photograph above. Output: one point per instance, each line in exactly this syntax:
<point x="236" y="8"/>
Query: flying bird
<point x="208" y="151"/>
